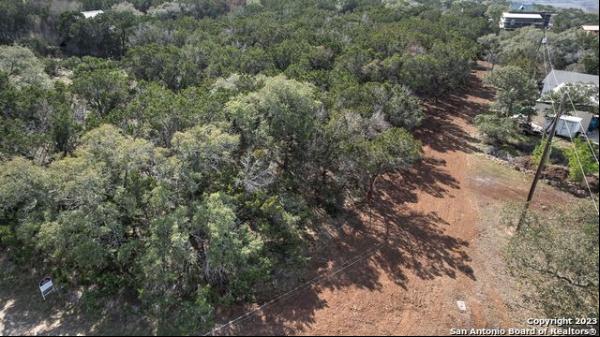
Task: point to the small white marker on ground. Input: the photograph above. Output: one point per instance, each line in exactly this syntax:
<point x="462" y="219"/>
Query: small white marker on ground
<point x="461" y="305"/>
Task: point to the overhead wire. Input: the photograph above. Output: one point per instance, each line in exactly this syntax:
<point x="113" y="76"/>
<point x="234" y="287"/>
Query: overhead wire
<point x="583" y="132"/>
<point x="365" y="254"/>
<point x="575" y="151"/>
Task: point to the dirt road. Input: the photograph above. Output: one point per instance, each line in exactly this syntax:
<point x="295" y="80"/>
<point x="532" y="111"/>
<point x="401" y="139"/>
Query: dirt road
<point x="437" y="248"/>
<point x="431" y="239"/>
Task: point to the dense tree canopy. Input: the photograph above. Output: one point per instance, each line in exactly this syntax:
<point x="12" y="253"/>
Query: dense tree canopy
<point x="570" y="49"/>
<point x="178" y="150"/>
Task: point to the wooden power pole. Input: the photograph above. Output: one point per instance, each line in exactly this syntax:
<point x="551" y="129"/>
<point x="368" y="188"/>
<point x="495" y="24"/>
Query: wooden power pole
<point x="540" y="167"/>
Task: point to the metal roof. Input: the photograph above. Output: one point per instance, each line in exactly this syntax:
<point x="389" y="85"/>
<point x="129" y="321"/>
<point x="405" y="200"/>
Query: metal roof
<point x="574" y="119"/>
<point x="508" y="15"/>
<point x="563" y="76"/>
<point x="91" y="14"/>
<point x="590" y="28"/>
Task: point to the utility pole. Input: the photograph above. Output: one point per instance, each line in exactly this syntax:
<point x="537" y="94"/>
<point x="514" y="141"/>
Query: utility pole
<point x="540" y="168"/>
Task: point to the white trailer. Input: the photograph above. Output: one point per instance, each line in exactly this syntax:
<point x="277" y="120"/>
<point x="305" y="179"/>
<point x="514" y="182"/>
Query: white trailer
<point x="568" y="126"/>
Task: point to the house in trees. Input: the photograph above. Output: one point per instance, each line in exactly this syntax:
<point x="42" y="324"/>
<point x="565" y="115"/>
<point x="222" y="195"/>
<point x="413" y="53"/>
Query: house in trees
<point x="524" y="15"/>
<point x="583" y="95"/>
<point x="510" y="20"/>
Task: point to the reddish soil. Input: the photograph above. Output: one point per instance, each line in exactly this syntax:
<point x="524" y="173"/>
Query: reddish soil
<point x="423" y="246"/>
<point x="432" y="238"/>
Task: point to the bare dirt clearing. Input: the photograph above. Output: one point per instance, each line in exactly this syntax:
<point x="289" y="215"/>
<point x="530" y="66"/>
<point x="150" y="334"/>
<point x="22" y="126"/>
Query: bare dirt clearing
<point x="433" y="239"/>
<point x="440" y="243"/>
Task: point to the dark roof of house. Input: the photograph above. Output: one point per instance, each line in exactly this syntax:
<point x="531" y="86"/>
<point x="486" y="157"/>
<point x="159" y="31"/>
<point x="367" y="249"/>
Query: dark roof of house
<point x="566" y="77"/>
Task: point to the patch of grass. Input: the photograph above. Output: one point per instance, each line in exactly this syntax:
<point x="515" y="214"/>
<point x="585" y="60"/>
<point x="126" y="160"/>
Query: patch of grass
<point x="490" y="168"/>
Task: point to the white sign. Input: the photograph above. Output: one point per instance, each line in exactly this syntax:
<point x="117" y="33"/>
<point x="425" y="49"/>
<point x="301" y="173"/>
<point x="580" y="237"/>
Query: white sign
<point x="46" y="287"/>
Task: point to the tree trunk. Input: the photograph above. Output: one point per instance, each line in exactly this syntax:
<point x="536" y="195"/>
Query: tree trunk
<point x="371" y="189"/>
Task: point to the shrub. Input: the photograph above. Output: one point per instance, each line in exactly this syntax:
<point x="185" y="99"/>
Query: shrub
<point x="557" y="155"/>
<point x="496" y="130"/>
<point x="556" y="255"/>
<point x="581" y="161"/>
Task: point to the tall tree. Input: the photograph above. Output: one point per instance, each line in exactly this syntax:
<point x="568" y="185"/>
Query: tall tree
<point x="515" y="90"/>
<point x="103" y="89"/>
<point x="23" y="67"/>
<point x="393" y="149"/>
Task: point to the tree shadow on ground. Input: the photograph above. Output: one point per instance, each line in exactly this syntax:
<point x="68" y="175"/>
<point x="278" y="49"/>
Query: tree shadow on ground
<point x="365" y="244"/>
<point x="441" y="114"/>
<point x="428" y="176"/>
<point x="388" y="239"/>
<point x="394" y="245"/>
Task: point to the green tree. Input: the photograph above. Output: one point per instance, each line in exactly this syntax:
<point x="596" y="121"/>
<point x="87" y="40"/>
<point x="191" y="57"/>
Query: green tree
<point x="515" y="90"/>
<point x="208" y="157"/>
<point x="393" y="149"/>
<point x="403" y="109"/>
<point x="523" y="42"/>
<point x="105" y="35"/>
<point x="495" y="9"/>
<point x="281" y="116"/>
<point x="496" y="129"/>
<point x="163" y="64"/>
<point x="23" y="195"/>
<point x="255" y="60"/>
<point x="154" y="113"/>
<point x="590" y="62"/>
<point x="233" y="259"/>
<point x="395" y="103"/>
<point x="17" y="18"/>
<point x="35" y="121"/>
<point x="443" y="69"/>
<point x="491" y="45"/>
<point x="556" y="155"/>
<point x="23" y="67"/>
<point x="103" y="89"/>
<point x="170" y="274"/>
<point x="572" y="17"/>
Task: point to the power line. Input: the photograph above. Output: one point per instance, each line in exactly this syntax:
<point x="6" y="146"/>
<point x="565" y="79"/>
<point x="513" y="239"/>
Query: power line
<point x="545" y="155"/>
<point x="589" y="143"/>
<point x="577" y="158"/>
<point x="571" y="100"/>
<point x="546" y="151"/>
<point x="571" y="136"/>
<point x="365" y="254"/>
